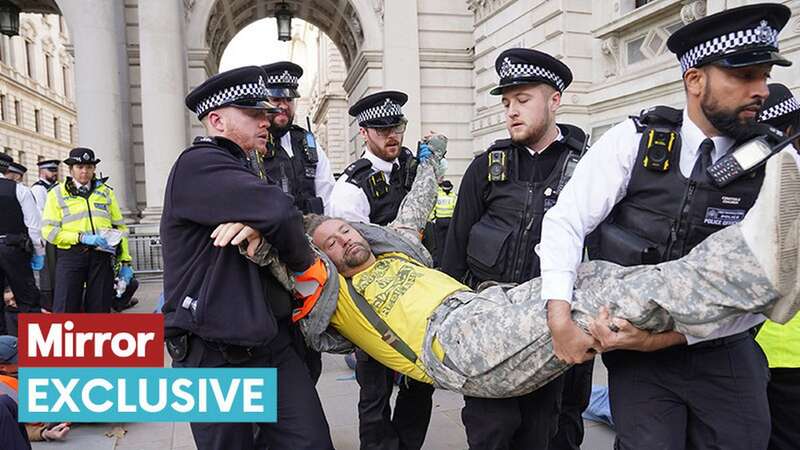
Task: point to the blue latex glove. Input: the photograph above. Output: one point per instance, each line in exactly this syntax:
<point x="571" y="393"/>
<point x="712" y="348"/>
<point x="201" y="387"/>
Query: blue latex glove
<point x="37" y="262"/>
<point x="424" y="152"/>
<point x="94" y="240"/>
<point x="126" y="273"/>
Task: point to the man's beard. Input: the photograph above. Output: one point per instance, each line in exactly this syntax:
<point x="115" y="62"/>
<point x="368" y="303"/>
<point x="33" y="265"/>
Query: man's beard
<point x="728" y="122"/>
<point x="278" y="130"/>
<point x="354" y="258"/>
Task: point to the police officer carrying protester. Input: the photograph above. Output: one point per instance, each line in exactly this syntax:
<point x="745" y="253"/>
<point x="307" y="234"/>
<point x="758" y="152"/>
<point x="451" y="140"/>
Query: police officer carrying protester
<point x="48" y="178"/>
<point x="496" y="225"/>
<point x="220" y="310"/>
<point x="370" y="190"/>
<point x="82" y="219"/>
<point x="21" y="249"/>
<point x="651" y="187"/>
<point x="293" y="159"/>
<point x="781" y="343"/>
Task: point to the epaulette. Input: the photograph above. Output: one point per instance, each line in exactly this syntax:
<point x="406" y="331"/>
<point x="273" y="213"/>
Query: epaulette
<point x="574" y="138"/>
<point x="661" y="115"/>
<point x="357" y="171"/>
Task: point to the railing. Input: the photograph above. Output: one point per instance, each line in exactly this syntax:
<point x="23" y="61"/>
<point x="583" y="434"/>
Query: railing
<point x="145" y="249"/>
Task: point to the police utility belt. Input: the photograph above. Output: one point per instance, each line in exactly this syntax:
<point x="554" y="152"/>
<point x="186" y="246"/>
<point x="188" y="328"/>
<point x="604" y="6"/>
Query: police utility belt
<point x="178" y="348"/>
<point x="21" y="241"/>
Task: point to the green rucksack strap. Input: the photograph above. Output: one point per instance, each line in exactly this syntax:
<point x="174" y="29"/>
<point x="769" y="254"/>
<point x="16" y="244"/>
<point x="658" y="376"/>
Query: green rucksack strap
<point x="380" y="325"/>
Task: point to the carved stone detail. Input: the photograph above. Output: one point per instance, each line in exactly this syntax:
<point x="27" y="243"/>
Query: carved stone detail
<point x="187" y="8"/>
<point x="379" y="8"/>
<point x="610" y="49"/>
<point x="692" y="11"/>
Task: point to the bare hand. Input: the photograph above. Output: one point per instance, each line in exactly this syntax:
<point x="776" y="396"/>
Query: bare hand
<point x="57" y="433"/>
<point x="626" y="336"/>
<point x="570" y="344"/>
<point x="234" y="233"/>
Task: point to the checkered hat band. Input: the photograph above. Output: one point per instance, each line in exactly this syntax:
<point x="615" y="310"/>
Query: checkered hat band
<point x="783" y="108"/>
<point x="510" y="70"/>
<point x="387" y="109"/>
<point x="231" y="94"/>
<point x="763" y="35"/>
<point x="284" y="78"/>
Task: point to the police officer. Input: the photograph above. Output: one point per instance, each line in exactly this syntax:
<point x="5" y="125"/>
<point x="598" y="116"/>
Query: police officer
<point x="439" y="221"/>
<point x="293" y="159"/>
<point x="16" y="172"/>
<point x="497" y="223"/>
<point x="79" y="216"/>
<point x="21" y="246"/>
<point x="370" y="190"/>
<point x="220" y="310"/>
<point x="48" y="178"/>
<point x="781" y="343"/>
<point x="647" y="186"/>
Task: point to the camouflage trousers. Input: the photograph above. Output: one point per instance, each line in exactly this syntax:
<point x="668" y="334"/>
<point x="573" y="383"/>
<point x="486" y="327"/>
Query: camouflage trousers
<point x="497" y="343"/>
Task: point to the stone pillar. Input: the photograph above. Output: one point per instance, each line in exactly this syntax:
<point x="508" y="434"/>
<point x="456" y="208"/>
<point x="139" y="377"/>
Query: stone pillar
<point x="163" y="74"/>
<point x="401" y="61"/>
<point x="102" y="90"/>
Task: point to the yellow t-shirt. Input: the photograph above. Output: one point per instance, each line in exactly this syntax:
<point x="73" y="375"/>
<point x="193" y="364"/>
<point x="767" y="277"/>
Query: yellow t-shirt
<point x="403" y="293"/>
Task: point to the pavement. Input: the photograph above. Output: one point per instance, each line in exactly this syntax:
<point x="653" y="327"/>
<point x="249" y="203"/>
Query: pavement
<point x="339" y="394"/>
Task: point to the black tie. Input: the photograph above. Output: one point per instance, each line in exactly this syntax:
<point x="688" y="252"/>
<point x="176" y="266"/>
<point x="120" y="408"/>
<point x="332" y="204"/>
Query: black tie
<point x="703" y="161"/>
<point x="83" y="191"/>
<point x="394" y="178"/>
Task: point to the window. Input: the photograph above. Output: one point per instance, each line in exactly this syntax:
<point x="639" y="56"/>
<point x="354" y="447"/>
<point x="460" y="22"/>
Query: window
<point x="640" y="3"/>
<point x="56" y="128"/>
<point x="21" y="157"/>
<point x="48" y="70"/>
<point x="2" y="107"/>
<point x="65" y="80"/>
<point x="18" y="112"/>
<point x="634" y="50"/>
<point x="37" y="120"/>
<point x="71" y="133"/>
<point x="29" y="55"/>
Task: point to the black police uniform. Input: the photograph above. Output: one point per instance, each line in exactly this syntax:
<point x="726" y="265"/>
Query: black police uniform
<point x="47" y="275"/>
<point x="378" y="427"/>
<point x="15" y="254"/>
<point x="294" y="174"/>
<point x="496" y="225"/>
<point x="660" y="399"/>
<point x="220" y="309"/>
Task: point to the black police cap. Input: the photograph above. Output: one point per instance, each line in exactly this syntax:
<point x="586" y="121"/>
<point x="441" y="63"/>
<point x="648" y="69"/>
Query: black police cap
<point x="781" y="107"/>
<point x="517" y="66"/>
<point x="5" y="160"/>
<point x="242" y="87"/>
<point x="282" y="79"/>
<point x="380" y="110"/>
<point x="737" y="37"/>
<point x="81" y="155"/>
<point x="48" y="164"/>
<point x="17" y="168"/>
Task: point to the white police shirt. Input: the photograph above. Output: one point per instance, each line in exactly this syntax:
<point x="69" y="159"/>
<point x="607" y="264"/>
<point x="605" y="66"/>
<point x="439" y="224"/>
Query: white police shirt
<point x="348" y="201"/>
<point x="40" y="195"/>
<point x="599" y="182"/>
<point x="323" y="178"/>
<point x="30" y="215"/>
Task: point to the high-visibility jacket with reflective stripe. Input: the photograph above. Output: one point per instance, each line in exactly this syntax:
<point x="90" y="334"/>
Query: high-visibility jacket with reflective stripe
<point x="66" y="216"/>
<point x="445" y="205"/>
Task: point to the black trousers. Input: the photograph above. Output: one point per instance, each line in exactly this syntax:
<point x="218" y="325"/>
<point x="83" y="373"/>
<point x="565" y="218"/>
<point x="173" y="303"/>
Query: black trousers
<point x="301" y="423"/>
<point x="711" y="395"/>
<point x="78" y="267"/>
<point x="526" y="422"/>
<point x="12" y="433"/>
<point x="574" y="400"/>
<point x="784" y="408"/>
<point x="16" y="273"/>
<point x="47" y="276"/>
<point x="378" y="428"/>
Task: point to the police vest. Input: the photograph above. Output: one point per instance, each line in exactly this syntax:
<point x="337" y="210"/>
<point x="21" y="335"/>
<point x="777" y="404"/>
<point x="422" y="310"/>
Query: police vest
<point x="664" y="215"/>
<point x="445" y="205"/>
<point x="781" y="343"/>
<point x="47" y="186"/>
<point x="402" y="294"/>
<point x="295" y="175"/>
<point x="500" y="246"/>
<point x="67" y="214"/>
<point x="384" y="195"/>
<point x="12" y="220"/>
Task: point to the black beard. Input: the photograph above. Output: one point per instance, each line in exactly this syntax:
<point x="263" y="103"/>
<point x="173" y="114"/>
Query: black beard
<point x="278" y="131"/>
<point x="729" y="124"/>
<point x="354" y="259"/>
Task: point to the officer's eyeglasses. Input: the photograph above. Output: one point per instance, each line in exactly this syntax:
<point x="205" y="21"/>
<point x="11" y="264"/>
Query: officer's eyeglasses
<point x="385" y="132"/>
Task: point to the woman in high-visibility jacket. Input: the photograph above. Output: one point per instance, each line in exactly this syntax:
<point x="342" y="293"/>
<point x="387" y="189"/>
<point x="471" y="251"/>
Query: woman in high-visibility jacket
<point x="76" y="219"/>
<point x="781" y="343"/>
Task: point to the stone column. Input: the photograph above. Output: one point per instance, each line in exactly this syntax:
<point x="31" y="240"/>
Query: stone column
<point x="163" y="75"/>
<point x="401" y="61"/>
<point x="102" y="90"/>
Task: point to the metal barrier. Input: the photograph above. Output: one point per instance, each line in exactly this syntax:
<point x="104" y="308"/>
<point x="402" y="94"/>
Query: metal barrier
<point x="145" y="250"/>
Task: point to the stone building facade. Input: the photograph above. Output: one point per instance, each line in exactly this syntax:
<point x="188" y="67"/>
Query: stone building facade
<point x="136" y="59"/>
<point x="37" y="106"/>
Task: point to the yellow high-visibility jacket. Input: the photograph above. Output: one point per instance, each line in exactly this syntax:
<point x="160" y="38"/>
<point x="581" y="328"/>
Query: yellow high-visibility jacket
<point x="445" y="205"/>
<point x="65" y="216"/>
<point x="781" y="343"/>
